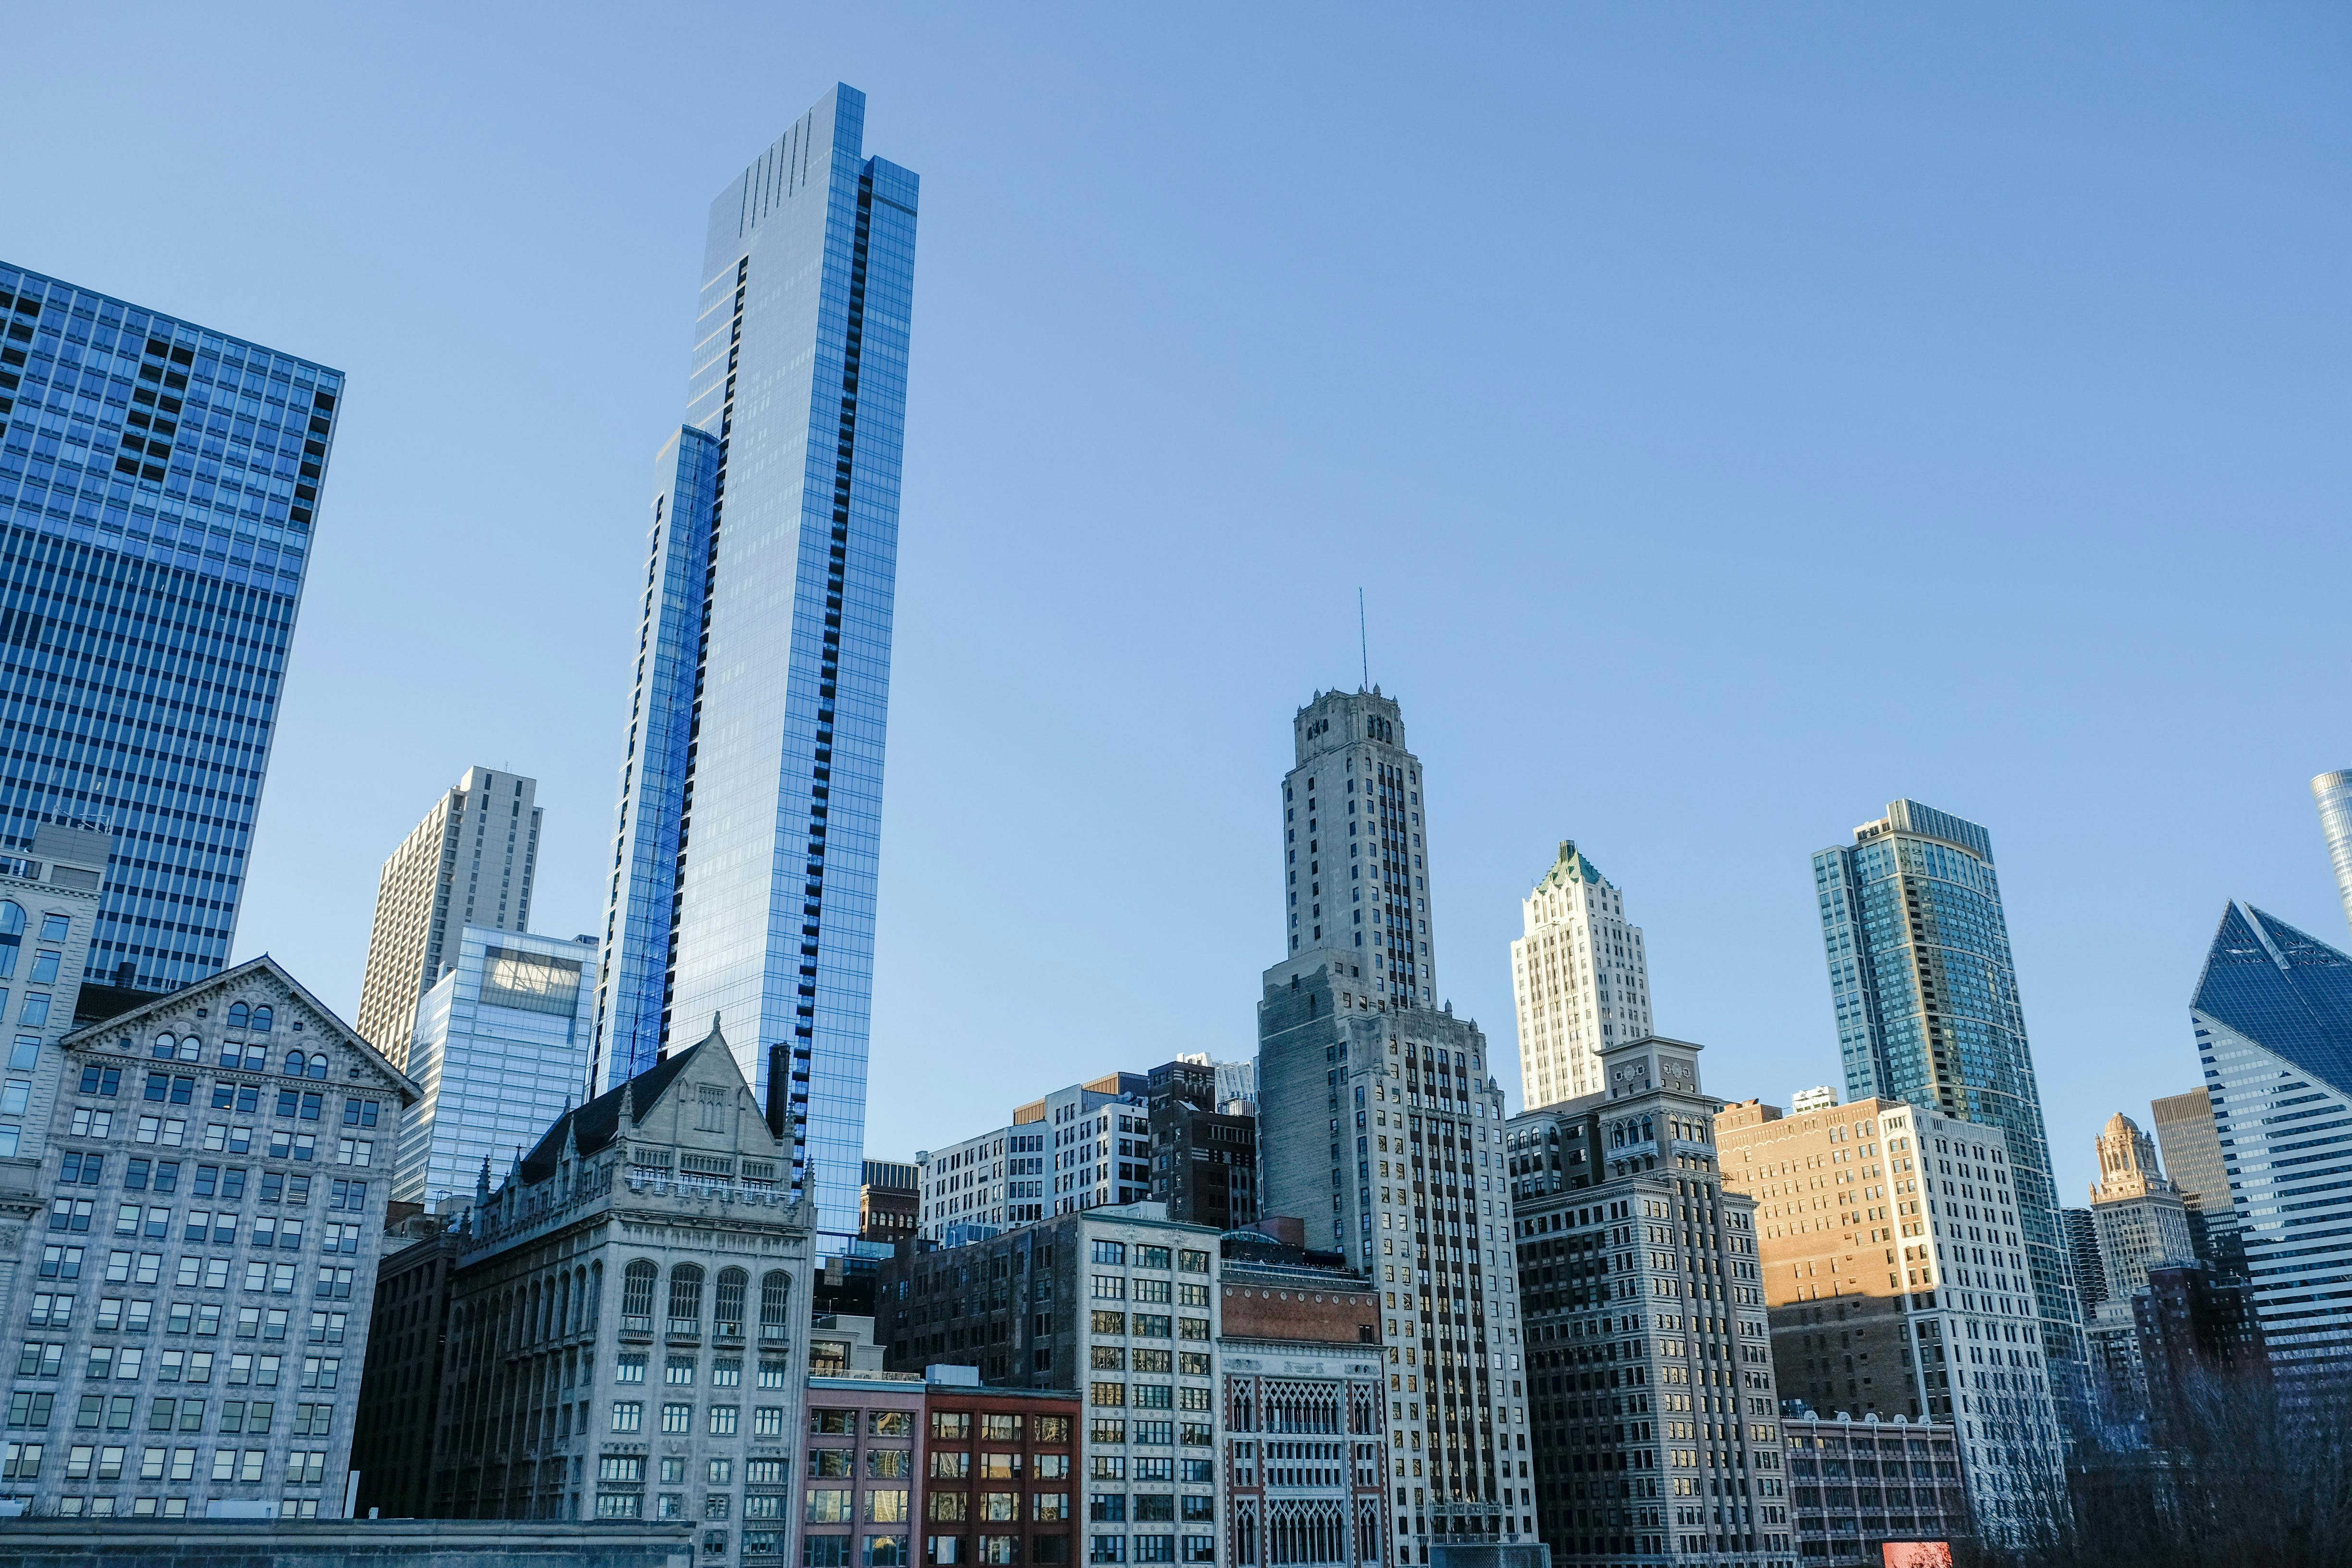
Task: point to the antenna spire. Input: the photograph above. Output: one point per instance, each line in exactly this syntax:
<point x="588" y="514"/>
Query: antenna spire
<point x="1363" y="641"/>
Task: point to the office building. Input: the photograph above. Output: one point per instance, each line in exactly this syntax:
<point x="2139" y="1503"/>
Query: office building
<point x="1655" y="1409"/>
<point x="2090" y="1280"/>
<point x="1305" y="1420"/>
<point x="622" y="1316"/>
<point x="1928" y="1015"/>
<point x="50" y="895"/>
<point x="1204" y="1161"/>
<point x="499" y="1047"/>
<point x="865" y="1478"/>
<point x="191" y="1316"/>
<point x="2333" y="792"/>
<point x="408" y="1336"/>
<point x="1118" y="1303"/>
<point x="2191" y="1146"/>
<point x="159" y="482"/>
<point x="2140" y="1215"/>
<point x="979" y="1447"/>
<point x="1380" y="1125"/>
<point x="2272" y="1013"/>
<point x="1579" y="977"/>
<point x="763" y="657"/>
<point x="1857" y="1484"/>
<point x="1894" y="1268"/>
<point x="889" y="1203"/>
<point x="470" y="862"/>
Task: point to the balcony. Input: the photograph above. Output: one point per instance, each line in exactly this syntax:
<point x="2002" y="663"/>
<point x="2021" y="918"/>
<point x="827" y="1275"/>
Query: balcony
<point x="685" y="1330"/>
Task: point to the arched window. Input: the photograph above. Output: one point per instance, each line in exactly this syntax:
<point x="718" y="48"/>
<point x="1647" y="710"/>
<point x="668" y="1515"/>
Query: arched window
<point x="686" y="1298"/>
<point x="728" y="1301"/>
<point x="166" y="1047"/>
<point x="239" y="1014"/>
<point x="319" y="1065"/>
<point x="637" y="1295"/>
<point x="296" y="1062"/>
<point x="775" y="1302"/>
<point x="261" y="1016"/>
<point x="12" y="935"/>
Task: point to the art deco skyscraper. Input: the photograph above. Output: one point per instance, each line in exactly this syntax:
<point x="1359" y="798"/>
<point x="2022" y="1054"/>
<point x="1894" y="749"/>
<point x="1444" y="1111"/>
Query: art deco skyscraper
<point x="2274" y="1018"/>
<point x="2334" y="794"/>
<point x="470" y="862"/>
<point x="2138" y="1213"/>
<point x="1928" y="1013"/>
<point x="159" y="481"/>
<point x="1580" y="978"/>
<point x="745" y="851"/>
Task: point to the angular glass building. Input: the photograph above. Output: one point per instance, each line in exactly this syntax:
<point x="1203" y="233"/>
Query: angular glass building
<point x="2333" y="792"/>
<point x="159" y="482"/>
<point x="1928" y="1013"/>
<point x="2272" y="1014"/>
<point x="745" y="850"/>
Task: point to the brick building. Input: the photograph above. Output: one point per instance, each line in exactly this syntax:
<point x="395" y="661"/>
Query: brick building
<point x="400" y="1392"/>
<point x="1000" y="1476"/>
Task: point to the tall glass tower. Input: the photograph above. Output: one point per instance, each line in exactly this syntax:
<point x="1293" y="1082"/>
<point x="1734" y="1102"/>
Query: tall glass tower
<point x="745" y="850"/>
<point x="1928" y="1013"/>
<point x="158" y="486"/>
<point x="2334" y="794"/>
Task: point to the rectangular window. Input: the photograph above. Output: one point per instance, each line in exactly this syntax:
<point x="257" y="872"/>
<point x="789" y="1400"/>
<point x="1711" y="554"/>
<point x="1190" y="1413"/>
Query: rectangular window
<point x="827" y="1505"/>
<point x="1111" y="1322"/>
<point x="1111" y="1252"/>
<point x="1192" y="1262"/>
<point x="723" y="1420"/>
<point x="1152" y="1326"/>
<point x="886" y="1506"/>
<point x="629" y="1369"/>
<point x="628" y="1416"/>
<point x="954" y="1426"/>
<point x="1152" y="1258"/>
<point x="677" y="1419"/>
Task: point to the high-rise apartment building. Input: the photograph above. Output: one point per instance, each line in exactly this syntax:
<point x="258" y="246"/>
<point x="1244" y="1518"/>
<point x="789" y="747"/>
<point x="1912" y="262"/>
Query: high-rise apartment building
<point x="501" y="1051"/>
<point x="2083" y="1265"/>
<point x="746" y="847"/>
<point x="2334" y="794"/>
<point x="1381" y="1126"/>
<point x="1894" y="1264"/>
<point x="2272" y="1014"/>
<point x="1579" y="978"/>
<point x="159" y="482"/>
<point x="1928" y="1015"/>
<point x="1655" y="1409"/>
<point x="470" y="862"/>
<point x="2191" y="1146"/>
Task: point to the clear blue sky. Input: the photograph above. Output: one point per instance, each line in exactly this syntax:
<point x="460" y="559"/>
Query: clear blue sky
<point x="1736" y="416"/>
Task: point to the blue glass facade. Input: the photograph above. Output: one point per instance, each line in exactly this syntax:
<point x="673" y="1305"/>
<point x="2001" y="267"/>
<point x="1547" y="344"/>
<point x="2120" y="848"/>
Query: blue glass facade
<point x="1927" y="1014"/>
<point x="2272" y="1014"/>
<point x="745" y="851"/>
<point x="158" y="486"/>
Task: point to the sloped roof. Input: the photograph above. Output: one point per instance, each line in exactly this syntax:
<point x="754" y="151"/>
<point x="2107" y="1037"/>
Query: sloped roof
<point x="1571" y="867"/>
<point x="2287" y="991"/>
<point x="598" y="1122"/>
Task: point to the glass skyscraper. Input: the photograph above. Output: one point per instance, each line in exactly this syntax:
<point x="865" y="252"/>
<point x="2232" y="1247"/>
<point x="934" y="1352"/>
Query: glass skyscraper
<point x="745" y="851"/>
<point x="2272" y="1014"/>
<point x="158" y="486"/>
<point x="2334" y="794"/>
<point x="1928" y="1013"/>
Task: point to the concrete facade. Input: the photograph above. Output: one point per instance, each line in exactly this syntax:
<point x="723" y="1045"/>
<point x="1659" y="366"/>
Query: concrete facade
<point x="1654" y="1409"/>
<point x="1580" y="979"/>
<point x="191" y="1315"/>
<point x="470" y="861"/>
<point x="1856" y="1483"/>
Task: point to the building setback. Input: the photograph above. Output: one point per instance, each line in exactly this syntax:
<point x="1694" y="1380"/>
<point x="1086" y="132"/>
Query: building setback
<point x="190" y="1317"/>
<point x="1118" y="1303"/>
<point x="1894" y="1267"/>
<point x="625" y="1316"/>
<point x="763" y="675"/>
<point x="159" y="482"/>
<point x="1654" y="1408"/>
<point x="470" y="862"/>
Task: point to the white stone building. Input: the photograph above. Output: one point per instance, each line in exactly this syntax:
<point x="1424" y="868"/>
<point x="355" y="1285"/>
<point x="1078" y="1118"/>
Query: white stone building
<point x="1580" y="979"/>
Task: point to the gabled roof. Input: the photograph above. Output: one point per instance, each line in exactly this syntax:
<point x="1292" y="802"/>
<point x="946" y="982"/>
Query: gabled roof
<point x="598" y="1122"/>
<point x="2289" y="993"/>
<point x="228" y="979"/>
<point x="1571" y="867"/>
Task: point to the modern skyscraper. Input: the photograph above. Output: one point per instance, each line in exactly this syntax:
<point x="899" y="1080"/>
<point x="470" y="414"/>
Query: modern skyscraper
<point x="1580" y="978"/>
<point x="470" y="862"/>
<point x="763" y="658"/>
<point x="1889" y="1252"/>
<point x="2090" y="1277"/>
<point x="2334" y="794"/>
<point x="1380" y="1125"/>
<point x="1928" y="1013"/>
<point x="2272" y="1013"/>
<point x="501" y="1051"/>
<point x="2191" y="1146"/>
<point x="158" y="485"/>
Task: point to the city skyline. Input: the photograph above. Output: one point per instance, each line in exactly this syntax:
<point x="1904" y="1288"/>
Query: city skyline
<point x="1729" y="946"/>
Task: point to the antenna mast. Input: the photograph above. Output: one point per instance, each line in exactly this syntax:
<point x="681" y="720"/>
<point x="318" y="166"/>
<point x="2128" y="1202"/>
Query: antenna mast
<point x="1363" y="642"/>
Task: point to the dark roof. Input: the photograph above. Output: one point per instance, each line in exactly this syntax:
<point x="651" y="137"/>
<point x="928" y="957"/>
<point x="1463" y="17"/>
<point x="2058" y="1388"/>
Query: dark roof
<point x="2289" y="993"/>
<point x="598" y="1122"/>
